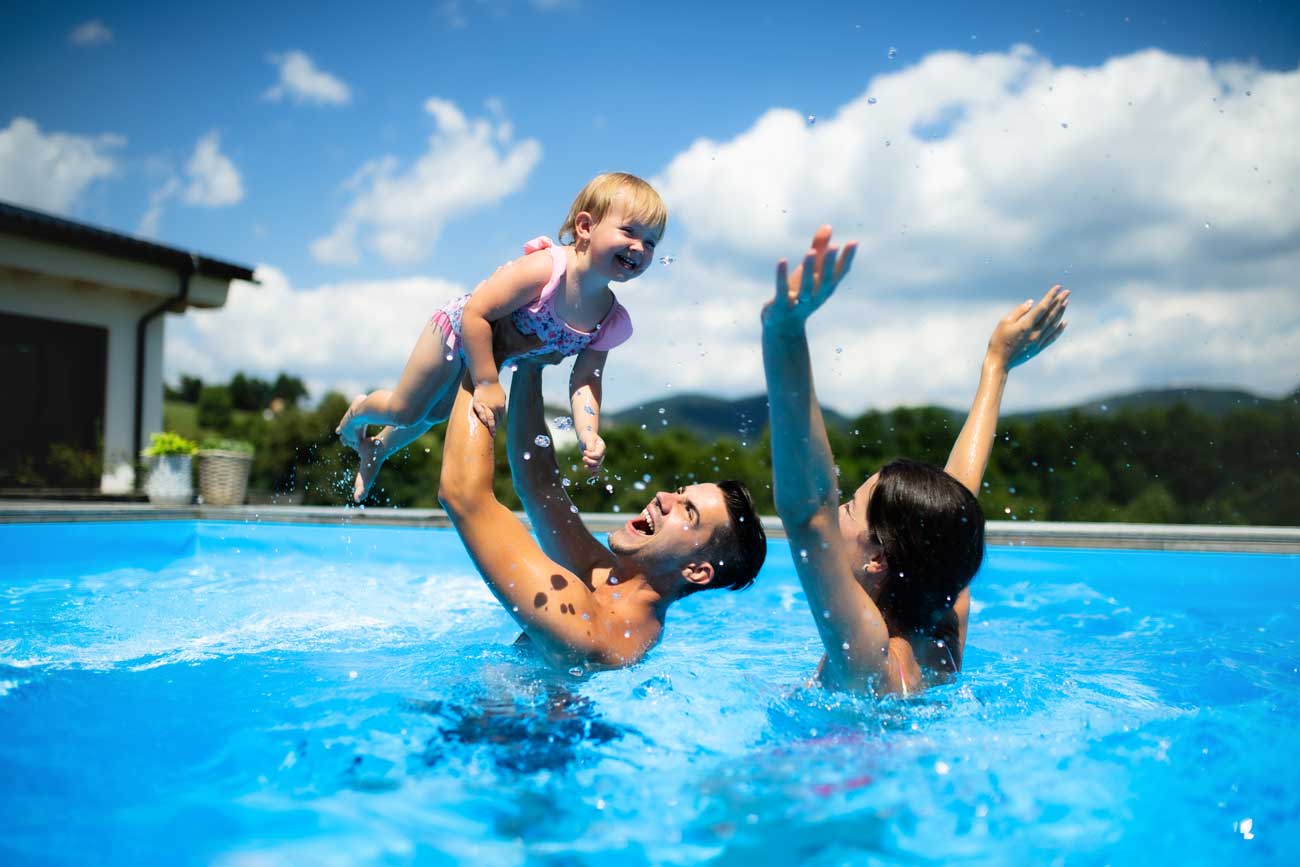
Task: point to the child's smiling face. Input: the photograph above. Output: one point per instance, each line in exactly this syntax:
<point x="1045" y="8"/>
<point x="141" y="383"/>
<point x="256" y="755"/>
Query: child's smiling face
<point x="622" y="247"/>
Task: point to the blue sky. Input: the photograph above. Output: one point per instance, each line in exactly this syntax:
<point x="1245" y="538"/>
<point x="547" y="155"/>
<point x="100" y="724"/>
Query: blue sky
<point x="300" y="138"/>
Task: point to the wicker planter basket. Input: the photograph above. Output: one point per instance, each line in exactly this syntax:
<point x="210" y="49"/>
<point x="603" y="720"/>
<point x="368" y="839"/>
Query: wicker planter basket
<point x="223" y="477"/>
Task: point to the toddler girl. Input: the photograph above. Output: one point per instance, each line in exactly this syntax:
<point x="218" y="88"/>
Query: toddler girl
<point x="558" y="293"/>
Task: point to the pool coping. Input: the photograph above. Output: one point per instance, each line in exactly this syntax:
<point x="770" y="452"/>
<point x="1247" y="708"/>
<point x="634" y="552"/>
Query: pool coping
<point x="1156" y="537"/>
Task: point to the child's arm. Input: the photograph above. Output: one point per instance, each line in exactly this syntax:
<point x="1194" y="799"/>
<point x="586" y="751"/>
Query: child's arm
<point x="584" y="391"/>
<point x="510" y="288"/>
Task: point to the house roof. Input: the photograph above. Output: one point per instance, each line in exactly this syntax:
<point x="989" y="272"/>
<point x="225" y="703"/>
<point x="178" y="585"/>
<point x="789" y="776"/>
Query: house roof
<point x="40" y="226"/>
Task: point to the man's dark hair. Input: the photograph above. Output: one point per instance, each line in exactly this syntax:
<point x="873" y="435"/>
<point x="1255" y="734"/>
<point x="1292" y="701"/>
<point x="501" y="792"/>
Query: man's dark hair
<point x="932" y="531"/>
<point x="738" y="555"/>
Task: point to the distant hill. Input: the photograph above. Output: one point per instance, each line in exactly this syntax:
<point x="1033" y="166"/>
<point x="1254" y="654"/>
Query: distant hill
<point x="1216" y="402"/>
<point x="705" y="416"/>
<point x="746" y="418"/>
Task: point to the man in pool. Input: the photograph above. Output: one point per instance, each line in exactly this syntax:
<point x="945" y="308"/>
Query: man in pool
<point x="580" y="603"/>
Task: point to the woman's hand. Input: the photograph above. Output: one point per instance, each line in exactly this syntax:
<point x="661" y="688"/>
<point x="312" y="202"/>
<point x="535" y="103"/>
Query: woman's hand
<point x="1028" y="329"/>
<point x="799" y="294"/>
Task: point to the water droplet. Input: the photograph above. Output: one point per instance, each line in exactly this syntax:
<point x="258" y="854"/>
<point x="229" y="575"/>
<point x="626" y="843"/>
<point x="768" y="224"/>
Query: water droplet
<point x="888" y="142"/>
<point x="646" y="476"/>
<point x="528" y="456"/>
<point x="566" y="481"/>
<point x="892" y="53"/>
<point x="613" y="579"/>
<point x="573" y="509"/>
<point x="844" y="646"/>
<point x="542" y="441"/>
<point x="941" y="768"/>
<point x="627" y="633"/>
<point x="1064" y="125"/>
<point x="1209" y="226"/>
<point x="803" y="553"/>
<point x="839" y="350"/>
<point x="576" y="671"/>
<point x="609" y="489"/>
<point x="667" y="260"/>
<point x="871" y="100"/>
<point x="586" y="407"/>
<point x="812" y="119"/>
<point x="640" y="486"/>
<point x="563" y="422"/>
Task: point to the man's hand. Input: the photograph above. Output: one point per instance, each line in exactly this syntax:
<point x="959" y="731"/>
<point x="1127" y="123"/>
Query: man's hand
<point x="1028" y="329"/>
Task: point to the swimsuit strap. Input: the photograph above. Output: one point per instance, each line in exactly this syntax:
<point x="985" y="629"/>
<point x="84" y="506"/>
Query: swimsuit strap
<point x="559" y="262"/>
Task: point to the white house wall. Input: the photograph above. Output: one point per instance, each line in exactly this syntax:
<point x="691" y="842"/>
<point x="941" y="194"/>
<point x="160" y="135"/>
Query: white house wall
<point x="119" y="312"/>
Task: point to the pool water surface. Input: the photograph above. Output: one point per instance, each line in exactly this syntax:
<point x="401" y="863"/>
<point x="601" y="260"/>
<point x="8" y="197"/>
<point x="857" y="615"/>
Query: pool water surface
<point x="271" y="694"/>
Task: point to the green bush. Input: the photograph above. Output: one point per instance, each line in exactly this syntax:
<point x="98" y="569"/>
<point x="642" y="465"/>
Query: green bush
<point x="167" y="443"/>
<point x="226" y="444"/>
<point x="215" y="408"/>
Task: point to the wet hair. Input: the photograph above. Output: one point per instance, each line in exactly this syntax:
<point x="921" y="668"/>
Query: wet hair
<point x="597" y="197"/>
<point x="738" y="552"/>
<point x="932" y="532"/>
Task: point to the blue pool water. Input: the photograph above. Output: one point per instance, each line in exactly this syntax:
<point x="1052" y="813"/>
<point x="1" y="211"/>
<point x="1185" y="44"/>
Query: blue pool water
<point x="262" y="694"/>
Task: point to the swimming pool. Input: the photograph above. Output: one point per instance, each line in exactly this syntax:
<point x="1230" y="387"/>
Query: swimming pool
<point x="269" y="694"/>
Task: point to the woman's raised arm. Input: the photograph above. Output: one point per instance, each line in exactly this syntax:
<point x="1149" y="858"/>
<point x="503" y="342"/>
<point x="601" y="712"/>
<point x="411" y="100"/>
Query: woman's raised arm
<point x="803" y="475"/>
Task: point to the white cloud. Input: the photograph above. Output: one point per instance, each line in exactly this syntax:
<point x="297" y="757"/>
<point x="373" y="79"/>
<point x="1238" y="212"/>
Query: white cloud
<point x="1160" y="188"/>
<point x="981" y="199"/>
<point x="333" y="336"/>
<point x="158" y="198"/>
<point x="301" y="82"/>
<point x="399" y="212"/>
<point x="51" y="171"/>
<point x="214" y="181"/>
<point x="94" y="32"/>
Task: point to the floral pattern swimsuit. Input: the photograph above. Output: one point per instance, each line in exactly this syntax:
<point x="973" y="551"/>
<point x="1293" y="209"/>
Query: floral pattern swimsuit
<point x="540" y="318"/>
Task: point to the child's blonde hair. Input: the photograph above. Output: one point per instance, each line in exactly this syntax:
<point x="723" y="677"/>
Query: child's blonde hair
<point x="642" y="202"/>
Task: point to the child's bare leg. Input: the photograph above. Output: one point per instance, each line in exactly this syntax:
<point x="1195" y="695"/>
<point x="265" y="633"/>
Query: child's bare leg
<point x="423" y="380"/>
<point x="391" y="440"/>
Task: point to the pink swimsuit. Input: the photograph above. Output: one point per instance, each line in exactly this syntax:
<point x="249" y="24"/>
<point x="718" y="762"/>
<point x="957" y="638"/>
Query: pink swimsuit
<point x="540" y="318"/>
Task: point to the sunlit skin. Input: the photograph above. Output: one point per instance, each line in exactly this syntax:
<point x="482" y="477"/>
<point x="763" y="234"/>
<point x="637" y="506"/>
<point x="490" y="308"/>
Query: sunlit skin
<point x="614" y="249"/>
<point x="839" y="565"/>
<point x="580" y="603"/>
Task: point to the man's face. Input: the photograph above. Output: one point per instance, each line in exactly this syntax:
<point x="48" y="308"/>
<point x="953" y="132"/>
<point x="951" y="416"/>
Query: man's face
<point x="674" y="528"/>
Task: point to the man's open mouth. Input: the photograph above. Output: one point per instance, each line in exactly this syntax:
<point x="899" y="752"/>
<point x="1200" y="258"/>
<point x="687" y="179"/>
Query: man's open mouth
<point x="643" y="524"/>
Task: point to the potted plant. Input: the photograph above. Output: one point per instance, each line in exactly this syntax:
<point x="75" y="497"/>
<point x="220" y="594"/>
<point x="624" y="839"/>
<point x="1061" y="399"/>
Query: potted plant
<point x="171" y="480"/>
<point x="224" y="465"/>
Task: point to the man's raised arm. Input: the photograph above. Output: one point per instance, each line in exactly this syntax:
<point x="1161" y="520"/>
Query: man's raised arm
<point x="556" y="524"/>
<point x="547" y="600"/>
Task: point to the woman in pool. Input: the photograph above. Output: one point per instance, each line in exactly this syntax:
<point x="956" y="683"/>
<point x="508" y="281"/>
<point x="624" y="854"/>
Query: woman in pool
<point x="886" y="573"/>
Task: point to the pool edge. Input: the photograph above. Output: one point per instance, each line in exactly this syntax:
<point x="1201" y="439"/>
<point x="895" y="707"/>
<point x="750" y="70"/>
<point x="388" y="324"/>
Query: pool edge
<point x="1151" y="537"/>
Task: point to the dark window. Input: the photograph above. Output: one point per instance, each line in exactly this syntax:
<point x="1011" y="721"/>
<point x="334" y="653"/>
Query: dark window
<point x="54" y="380"/>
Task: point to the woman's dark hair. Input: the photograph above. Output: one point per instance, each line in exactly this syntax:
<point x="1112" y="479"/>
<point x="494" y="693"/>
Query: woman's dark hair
<point x="932" y="531"/>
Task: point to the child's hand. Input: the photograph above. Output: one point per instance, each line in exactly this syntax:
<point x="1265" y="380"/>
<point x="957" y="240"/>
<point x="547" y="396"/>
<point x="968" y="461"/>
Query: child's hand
<point x="489" y="405"/>
<point x="593" y="451"/>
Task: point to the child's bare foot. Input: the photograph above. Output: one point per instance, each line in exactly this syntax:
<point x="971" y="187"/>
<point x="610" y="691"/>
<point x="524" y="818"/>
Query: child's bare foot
<point x="348" y="427"/>
<point x="370" y="449"/>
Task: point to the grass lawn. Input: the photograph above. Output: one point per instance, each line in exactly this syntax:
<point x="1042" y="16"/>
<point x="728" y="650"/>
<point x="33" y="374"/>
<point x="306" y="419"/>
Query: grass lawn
<point x="182" y="418"/>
